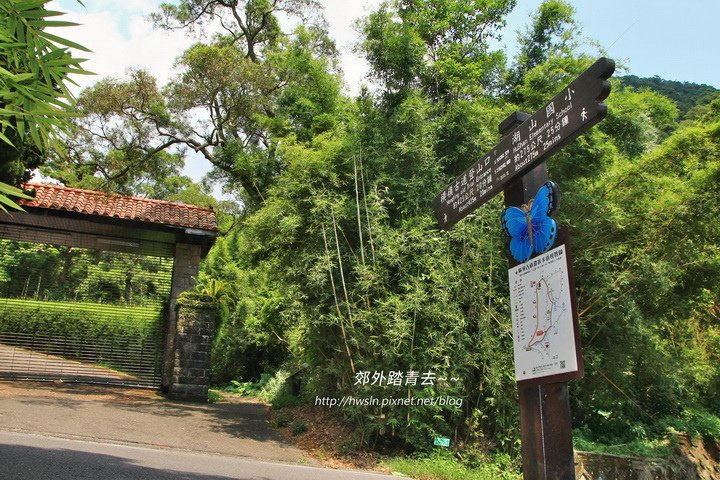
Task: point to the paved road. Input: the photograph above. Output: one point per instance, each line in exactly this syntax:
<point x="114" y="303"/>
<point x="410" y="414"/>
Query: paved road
<point x="236" y="427"/>
<point x="38" y="457"/>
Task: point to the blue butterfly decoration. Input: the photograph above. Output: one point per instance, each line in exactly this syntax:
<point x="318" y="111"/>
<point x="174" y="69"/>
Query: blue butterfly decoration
<point x="530" y="227"/>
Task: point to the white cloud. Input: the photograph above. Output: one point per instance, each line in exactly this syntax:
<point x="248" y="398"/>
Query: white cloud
<point x="113" y="51"/>
<point x="342" y="17"/>
<point x="121" y="37"/>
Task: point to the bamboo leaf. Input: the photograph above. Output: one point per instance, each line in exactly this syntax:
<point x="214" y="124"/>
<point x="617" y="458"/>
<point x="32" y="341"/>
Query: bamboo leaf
<point x="63" y="41"/>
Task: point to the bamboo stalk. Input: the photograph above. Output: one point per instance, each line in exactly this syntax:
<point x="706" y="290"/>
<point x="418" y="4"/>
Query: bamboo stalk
<point x="367" y="213"/>
<point x="357" y="206"/>
<point x="337" y="304"/>
<point x="342" y="274"/>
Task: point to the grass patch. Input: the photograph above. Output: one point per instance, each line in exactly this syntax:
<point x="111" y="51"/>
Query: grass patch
<point x="443" y="466"/>
<point x="659" y="448"/>
<point x="215" y="396"/>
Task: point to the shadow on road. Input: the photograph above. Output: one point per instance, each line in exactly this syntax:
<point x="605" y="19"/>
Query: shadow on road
<point x="26" y="462"/>
<point x="235" y="427"/>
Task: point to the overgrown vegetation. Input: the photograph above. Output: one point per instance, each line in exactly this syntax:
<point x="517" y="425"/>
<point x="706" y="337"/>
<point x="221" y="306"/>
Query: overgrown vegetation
<point x="443" y="466"/>
<point x="336" y="263"/>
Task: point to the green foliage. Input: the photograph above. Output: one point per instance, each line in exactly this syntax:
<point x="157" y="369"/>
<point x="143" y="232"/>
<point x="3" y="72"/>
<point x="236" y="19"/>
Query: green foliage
<point x="442" y="466"/>
<point x="282" y="420"/>
<point x="250" y="389"/>
<point x="123" y="158"/>
<point x="10" y="191"/>
<point x="298" y="427"/>
<point x="638" y="120"/>
<point x="214" y="396"/>
<point x="443" y="47"/>
<point x="341" y="267"/>
<point x="35" y="103"/>
<point x="552" y="34"/>
<point x="34" y="66"/>
<point x="130" y="330"/>
<point x="657" y="448"/>
<point x="687" y="95"/>
<point x="250" y="83"/>
<point x="50" y="272"/>
<point x="336" y="263"/>
<point x="269" y="388"/>
<point x="695" y="422"/>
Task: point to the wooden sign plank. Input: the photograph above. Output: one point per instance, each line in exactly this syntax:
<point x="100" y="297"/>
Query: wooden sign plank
<point x="570" y="113"/>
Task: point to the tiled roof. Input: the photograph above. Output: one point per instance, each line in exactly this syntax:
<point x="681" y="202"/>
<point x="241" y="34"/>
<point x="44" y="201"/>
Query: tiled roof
<point x="90" y="202"/>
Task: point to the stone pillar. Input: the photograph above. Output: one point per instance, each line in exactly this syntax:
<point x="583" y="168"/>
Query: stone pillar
<point x="196" y="316"/>
<point x="185" y="271"/>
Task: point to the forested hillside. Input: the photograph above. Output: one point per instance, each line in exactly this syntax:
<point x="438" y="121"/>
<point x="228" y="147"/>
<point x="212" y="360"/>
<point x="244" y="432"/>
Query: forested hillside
<point x="687" y="95"/>
<point x="334" y="265"/>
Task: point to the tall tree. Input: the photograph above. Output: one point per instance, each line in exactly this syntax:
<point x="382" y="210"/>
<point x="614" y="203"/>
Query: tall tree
<point x="441" y="46"/>
<point x="233" y="95"/>
<point x="553" y="32"/>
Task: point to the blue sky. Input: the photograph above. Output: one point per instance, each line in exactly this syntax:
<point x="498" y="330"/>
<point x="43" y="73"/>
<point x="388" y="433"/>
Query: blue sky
<point x="672" y="39"/>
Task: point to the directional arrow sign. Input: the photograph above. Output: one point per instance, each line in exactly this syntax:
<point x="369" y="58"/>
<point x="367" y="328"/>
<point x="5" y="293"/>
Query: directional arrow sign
<point x="570" y="113"/>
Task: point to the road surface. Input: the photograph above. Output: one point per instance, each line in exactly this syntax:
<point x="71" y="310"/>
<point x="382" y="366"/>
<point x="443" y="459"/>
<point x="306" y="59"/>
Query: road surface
<point x="235" y="427"/>
<point x="29" y="456"/>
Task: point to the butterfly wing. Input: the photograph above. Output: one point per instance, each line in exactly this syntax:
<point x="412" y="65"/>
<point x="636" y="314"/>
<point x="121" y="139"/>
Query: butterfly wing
<point x="514" y="222"/>
<point x="545" y="201"/>
<point x="544" y="233"/>
<point x="544" y="228"/>
<point x="520" y="248"/>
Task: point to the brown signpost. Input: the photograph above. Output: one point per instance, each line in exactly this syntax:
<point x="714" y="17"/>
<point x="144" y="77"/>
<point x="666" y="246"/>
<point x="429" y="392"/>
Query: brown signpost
<point x="570" y="113"/>
<point x="517" y="166"/>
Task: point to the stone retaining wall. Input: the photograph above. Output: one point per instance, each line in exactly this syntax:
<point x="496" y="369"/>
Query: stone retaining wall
<point x="693" y="459"/>
<point x="191" y="352"/>
<point x="600" y="466"/>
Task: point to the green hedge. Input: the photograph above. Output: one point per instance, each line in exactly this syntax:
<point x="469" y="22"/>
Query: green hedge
<point x="69" y="328"/>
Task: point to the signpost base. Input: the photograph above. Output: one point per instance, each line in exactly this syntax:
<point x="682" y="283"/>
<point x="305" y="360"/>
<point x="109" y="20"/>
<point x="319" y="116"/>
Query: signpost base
<point x="547" y="449"/>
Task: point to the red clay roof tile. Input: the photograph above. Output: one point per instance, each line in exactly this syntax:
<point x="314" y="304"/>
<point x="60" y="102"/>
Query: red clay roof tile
<point x="90" y="202"/>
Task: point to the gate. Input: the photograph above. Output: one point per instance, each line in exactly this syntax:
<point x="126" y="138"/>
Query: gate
<point x="82" y="315"/>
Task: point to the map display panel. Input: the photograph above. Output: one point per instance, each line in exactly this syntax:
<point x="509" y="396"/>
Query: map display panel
<point x="542" y="316"/>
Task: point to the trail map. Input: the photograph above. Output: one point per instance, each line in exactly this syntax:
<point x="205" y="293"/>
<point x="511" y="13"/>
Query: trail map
<point x="542" y="320"/>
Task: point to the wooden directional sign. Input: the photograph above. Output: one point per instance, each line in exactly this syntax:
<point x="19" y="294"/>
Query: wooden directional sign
<point x="570" y="113"/>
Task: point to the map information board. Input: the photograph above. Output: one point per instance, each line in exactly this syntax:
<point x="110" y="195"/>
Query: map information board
<point x="542" y="316"/>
